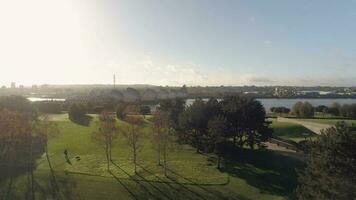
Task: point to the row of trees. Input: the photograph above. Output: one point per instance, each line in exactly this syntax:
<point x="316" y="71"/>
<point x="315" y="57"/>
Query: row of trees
<point x="305" y="109"/>
<point x="23" y="138"/>
<point x="209" y="126"/>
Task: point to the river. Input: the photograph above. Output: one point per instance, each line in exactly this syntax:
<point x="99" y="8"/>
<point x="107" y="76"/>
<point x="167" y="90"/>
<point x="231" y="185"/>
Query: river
<point x="268" y="103"/>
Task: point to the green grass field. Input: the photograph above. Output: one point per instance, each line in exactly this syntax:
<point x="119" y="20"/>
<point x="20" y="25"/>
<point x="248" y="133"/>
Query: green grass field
<point x="290" y="131"/>
<point x="331" y="121"/>
<point x="258" y="174"/>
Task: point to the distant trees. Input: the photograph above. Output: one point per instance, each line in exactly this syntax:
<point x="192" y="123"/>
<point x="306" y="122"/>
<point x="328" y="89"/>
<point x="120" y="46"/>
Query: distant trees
<point x="77" y="111"/>
<point x="334" y="109"/>
<point x="121" y="111"/>
<point x="145" y="110"/>
<point x="301" y="109"/>
<point x="330" y="171"/>
<point x="18" y="104"/>
<point x="348" y="110"/>
<point x="280" y="110"/>
<point x="105" y="134"/>
<point x="49" y="107"/>
<point x="322" y="109"/>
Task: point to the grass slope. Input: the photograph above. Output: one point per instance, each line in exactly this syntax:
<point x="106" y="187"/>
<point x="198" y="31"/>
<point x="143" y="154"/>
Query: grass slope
<point x="247" y="175"/>
<point x="290" y="131"/>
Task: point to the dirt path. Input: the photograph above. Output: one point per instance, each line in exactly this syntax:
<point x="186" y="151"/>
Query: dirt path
<point x="315" y="127"/>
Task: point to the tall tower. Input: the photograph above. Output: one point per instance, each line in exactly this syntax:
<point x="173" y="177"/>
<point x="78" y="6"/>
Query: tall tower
<point x="114" y="80"/>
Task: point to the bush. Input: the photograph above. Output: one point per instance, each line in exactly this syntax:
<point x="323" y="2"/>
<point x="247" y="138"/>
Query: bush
<point x="77" y="111"/>
<point x="301" y="109"/>
<point x="145" y="110"/>
<point x="121" y="111"/>
<point x="48" y="107"/>
<point x="280" y="110"/>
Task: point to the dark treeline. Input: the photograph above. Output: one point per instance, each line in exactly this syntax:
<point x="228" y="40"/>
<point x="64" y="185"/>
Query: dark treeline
<point x="238" y="119"/>
<point x="305" y="109"/>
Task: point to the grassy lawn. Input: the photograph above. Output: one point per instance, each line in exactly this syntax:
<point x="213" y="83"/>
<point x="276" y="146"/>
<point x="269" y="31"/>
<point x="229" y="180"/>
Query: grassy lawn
<point x="259" y="174"/>
<point x="290" y="131"/>
<point x="331" y="121"/>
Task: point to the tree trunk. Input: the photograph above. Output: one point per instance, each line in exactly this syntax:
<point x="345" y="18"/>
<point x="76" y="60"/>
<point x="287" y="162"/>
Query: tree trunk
<point x="165" y="160"/>
<point x="159" y="154"/>
<point x="110" y="158"/>
<point x="219" y="161"/>
<point x="31" y="169"/>
<point x="107" y="156"/>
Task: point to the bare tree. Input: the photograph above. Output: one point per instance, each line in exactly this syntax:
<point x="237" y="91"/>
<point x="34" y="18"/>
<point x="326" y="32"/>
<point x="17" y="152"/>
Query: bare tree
<point x="133" y="135"/>
<point x="44" y="129"/>
<point x="105" y="134"/>
<point x="161" y="136"/>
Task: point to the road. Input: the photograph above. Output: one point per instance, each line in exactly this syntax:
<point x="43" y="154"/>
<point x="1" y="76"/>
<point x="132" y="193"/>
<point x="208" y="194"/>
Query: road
<point x="315" y="127"/>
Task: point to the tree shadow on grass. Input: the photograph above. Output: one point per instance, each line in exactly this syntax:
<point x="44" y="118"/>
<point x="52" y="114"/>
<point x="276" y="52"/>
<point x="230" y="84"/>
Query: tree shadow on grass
<point x="266" y="170"/>
<point x="142" y="186"/>
<point x="84" y="121"/>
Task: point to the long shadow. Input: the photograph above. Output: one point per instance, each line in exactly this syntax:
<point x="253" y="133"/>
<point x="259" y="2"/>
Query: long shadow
<point x="123" y="185"/>
<point x="165" y="182"/>
<point x="157" y="188"/>
<point x="136" y="181"/>
<point x="186" y="188"/>
<point x="270" y="172"/>
<point x="199" y="185"/>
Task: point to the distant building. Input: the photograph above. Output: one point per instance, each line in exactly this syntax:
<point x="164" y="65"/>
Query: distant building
<point x="279" y="92"/>
<point x="13" y="85"/>
<point x="21" y="87"/>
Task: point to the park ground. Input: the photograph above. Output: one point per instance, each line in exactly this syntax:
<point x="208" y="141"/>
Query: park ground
<point x="248" y="174"/>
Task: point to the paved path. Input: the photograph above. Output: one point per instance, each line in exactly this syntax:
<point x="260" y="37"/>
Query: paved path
<point x="315" y="127"/>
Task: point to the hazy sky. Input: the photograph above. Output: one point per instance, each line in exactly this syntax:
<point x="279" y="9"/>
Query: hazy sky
<point x="196" y="42"/>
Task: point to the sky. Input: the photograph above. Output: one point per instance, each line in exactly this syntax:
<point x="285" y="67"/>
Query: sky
<point x="166" y="42"/>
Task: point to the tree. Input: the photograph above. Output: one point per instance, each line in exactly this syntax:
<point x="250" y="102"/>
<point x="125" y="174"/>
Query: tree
<point x="120" y="111"/>
<point x="77" y="111"/>
<point x="45" y="129"/>
<point x="307" y="110"/>
<point x="19" y="147"/>
<point x="348" y="110"/>
<point x="280" y="110"/>
<point x="161" y="136"/>
<point x="174" y="107"/>
<point x="296" y="109"/>
<point x="246" y="120"/>
<point x="18" y="104"/>
<point x="194" y="122"/>
<point x="301" y="109"/>
<point x="330" y="171"/>
<point x="145" y="110"/>
<point x="217" y="130"/>
<point x="335" y="109"/>
<point x="105" y="134"/>
<point x="133" y="135"/>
